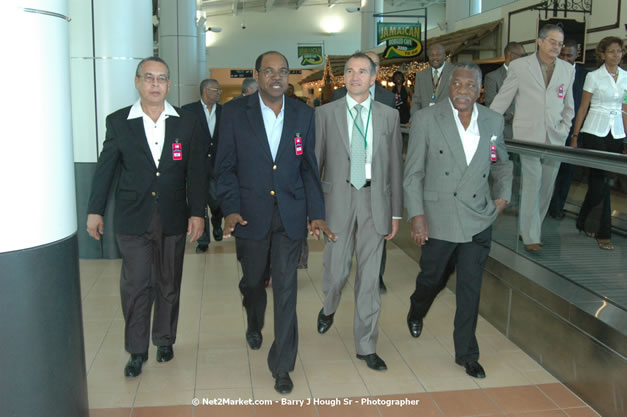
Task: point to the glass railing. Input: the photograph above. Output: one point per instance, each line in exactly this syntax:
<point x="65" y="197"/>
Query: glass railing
<point x="569" y="247"/>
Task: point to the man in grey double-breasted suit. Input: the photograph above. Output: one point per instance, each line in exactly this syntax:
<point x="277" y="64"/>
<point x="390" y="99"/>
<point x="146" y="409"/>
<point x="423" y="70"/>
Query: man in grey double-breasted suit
<point x="454" y="146"/>
<point x="358" y="148"/>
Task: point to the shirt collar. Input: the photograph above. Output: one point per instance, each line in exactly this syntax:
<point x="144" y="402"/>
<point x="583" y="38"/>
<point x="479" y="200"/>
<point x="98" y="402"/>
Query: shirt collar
<point x="350" y="102"/>
<point x="473" y="116"/>
<point x="264" y="107"/>
<point x="137" y="111"/>
<point x="204" y="106"/>
<point x="506" y="67"/>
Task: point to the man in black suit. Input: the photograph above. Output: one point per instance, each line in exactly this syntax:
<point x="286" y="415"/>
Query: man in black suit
<point x="160" y="196"/>
<point x="208" y="111"/>
<point x="385" y="96"/>
<point x="269" y="187"/>
<point x="565" y="175"/>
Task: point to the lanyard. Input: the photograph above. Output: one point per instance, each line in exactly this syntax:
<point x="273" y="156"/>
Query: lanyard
<point x="365" y="135"/>
<point x="436" y="84"/>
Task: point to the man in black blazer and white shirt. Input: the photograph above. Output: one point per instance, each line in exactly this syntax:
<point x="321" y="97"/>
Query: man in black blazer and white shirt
<point x="160" y="196"/>
<point x="208" y="112"/>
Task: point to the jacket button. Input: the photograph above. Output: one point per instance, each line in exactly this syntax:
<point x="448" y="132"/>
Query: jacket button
<point x="446" y="173"/>
<point x="483" y="175"/>
<point x="211" y="144"/>
<point x="474" y="195"/>
<point x="272" y="192"/>
<point x="274" y="167"/>
<point x="209" y="155"/>
<point x="454" y="194"/>
<point x="441" y="151"/>
<point x="157" y="174"/>
<point x="154" y="194"/>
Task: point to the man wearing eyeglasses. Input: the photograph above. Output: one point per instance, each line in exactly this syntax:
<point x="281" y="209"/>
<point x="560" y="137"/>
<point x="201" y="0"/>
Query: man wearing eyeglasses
<point x="269" y="188"/>
<point x="541" y="86"/>
<point x="160" y="197"/>
<point x="208" y="112"/>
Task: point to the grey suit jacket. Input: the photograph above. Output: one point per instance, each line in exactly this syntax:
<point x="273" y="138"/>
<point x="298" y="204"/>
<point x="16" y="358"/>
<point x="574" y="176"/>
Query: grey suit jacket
<point x="455" y="197"/>
<point x="541" y="112"/>
<point x="381" y="95"/>
<point x="493" y="82"/>
<point x="333" y="155"/>
<point x="423" y="88"/>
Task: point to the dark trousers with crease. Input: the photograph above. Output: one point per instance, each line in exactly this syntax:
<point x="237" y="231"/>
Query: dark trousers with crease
<point x="284" y="256"/>
<point x="437" y="262"/>
<point x="215" y="220"/>
<point x="152" y="268"/>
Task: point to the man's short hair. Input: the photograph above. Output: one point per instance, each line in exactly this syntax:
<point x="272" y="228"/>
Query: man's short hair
<point x="511" y="46"/>
<point x="205" y="83"/>
<point x="247" y="83"/>
<point x="373" y="66"/>
<point x="570" y="43"/>
<point x="260" y="58"/>
<point x="151" y="58"/>
<point x="471" y="66"/>
<point x="549" y="27"/>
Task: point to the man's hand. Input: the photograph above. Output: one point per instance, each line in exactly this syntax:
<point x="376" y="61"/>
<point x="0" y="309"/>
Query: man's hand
<point x="318" y="226"/>
<point x="500" y="205"/>
<point x="231" y="221"/>
<point x="395" y="223"/>
<point x="95" y="225"/>
<point x="195" y="227"/>
<point x="419" y="230"/>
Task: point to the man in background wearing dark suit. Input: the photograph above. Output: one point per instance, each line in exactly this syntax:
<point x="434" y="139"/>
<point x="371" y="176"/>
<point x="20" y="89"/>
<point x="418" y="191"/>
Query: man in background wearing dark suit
<point x="161" y="195"/>
<point x="208" y="112"/>
<point x="385" y="96"/>
<point x="565" y="175"/>
<point x="269" y="186"/>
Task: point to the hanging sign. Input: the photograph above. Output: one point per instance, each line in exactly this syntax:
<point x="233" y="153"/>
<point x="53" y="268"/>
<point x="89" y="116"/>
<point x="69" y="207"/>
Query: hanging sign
<point x="312" y="55"/>
<point x="402" y="39"/>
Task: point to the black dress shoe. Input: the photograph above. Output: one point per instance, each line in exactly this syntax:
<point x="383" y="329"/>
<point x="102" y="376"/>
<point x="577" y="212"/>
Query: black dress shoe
<point x="472" y="368"/>
<point x="254" y="339"/>
<point x="373" y="361"/>
<point x="283" y="383"/>
<point x="324" y="322"/>
<point x="217" y="233"/>
<point x="415" y="325"/>
<point x="202" y="248"/>
<point x="134" y="365"/>
<point x="165" y="353"/>
<point x="382" y="288"/>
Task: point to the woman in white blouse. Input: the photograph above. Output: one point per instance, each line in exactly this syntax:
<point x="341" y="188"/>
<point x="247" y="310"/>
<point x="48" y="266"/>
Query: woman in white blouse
<point x="604" y="102"/>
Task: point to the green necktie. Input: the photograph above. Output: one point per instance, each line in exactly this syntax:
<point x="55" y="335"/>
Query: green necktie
<point x="358" y="151"/>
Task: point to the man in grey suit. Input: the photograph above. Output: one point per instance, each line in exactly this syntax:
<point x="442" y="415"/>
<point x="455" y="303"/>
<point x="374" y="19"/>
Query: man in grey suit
<point x="377" y="91"/>
<point x="431" y="84"/>
<point x="453" y="147"/>
<point x="494" y="80"/>
<point x="542" y="85"/>
<point x="358" y="148"/>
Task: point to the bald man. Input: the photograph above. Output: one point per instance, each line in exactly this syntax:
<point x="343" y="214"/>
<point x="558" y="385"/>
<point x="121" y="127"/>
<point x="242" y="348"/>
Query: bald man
<point x="431" y="84"/>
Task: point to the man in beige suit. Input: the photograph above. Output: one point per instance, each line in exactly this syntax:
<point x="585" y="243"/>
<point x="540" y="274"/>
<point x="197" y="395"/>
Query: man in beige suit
<point x="431" y="84"/>
<point x="454" y="146"/>
<point x="541" y="84"/>
<point x="358" y="147"/>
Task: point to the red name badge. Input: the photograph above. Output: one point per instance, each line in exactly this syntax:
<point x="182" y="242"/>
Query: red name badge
<point x="177" y="151"/>
<point x="298" y="144"/>
<point x="560" y="91"/>
<point x="493" y="153"/>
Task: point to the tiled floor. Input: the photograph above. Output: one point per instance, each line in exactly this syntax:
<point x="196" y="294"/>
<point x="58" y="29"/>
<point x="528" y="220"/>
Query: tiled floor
<point x="212" y="360"/>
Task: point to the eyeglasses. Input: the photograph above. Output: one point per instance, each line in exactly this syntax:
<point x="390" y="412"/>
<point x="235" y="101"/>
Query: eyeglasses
<point x="150" y="78"/>
<point x="269" y="72"/>
<point x="553" y="42"/>
<point x="218" y="90"/>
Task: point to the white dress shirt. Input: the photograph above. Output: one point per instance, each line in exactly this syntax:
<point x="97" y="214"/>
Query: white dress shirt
<point x="350" y="115"/>
<point x="273" y="125"/>
<point x="606" y="104"/>
<point x="155" y="131"/>
<point x="210" y="116"/>
<point x="470" y="137"/>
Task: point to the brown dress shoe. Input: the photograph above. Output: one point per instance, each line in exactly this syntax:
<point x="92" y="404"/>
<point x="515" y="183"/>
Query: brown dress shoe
<point x="534" y="247"/>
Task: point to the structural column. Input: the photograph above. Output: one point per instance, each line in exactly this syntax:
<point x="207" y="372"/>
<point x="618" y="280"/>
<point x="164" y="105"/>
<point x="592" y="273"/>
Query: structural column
<point x="369" y="23"/>
<point x="42" y="359"/>
<point x="178" y="47"/>
<point x="108" y="38"/>
<point x="202" y="49"/>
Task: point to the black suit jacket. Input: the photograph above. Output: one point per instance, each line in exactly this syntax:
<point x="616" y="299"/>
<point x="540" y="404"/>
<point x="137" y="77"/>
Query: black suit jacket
<point x="580" y="79"/>
<point x="177" y="187"/>
<point x="211" y="140"/>
<point x="249" y="180"/>
<point x="382" y="95"/>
